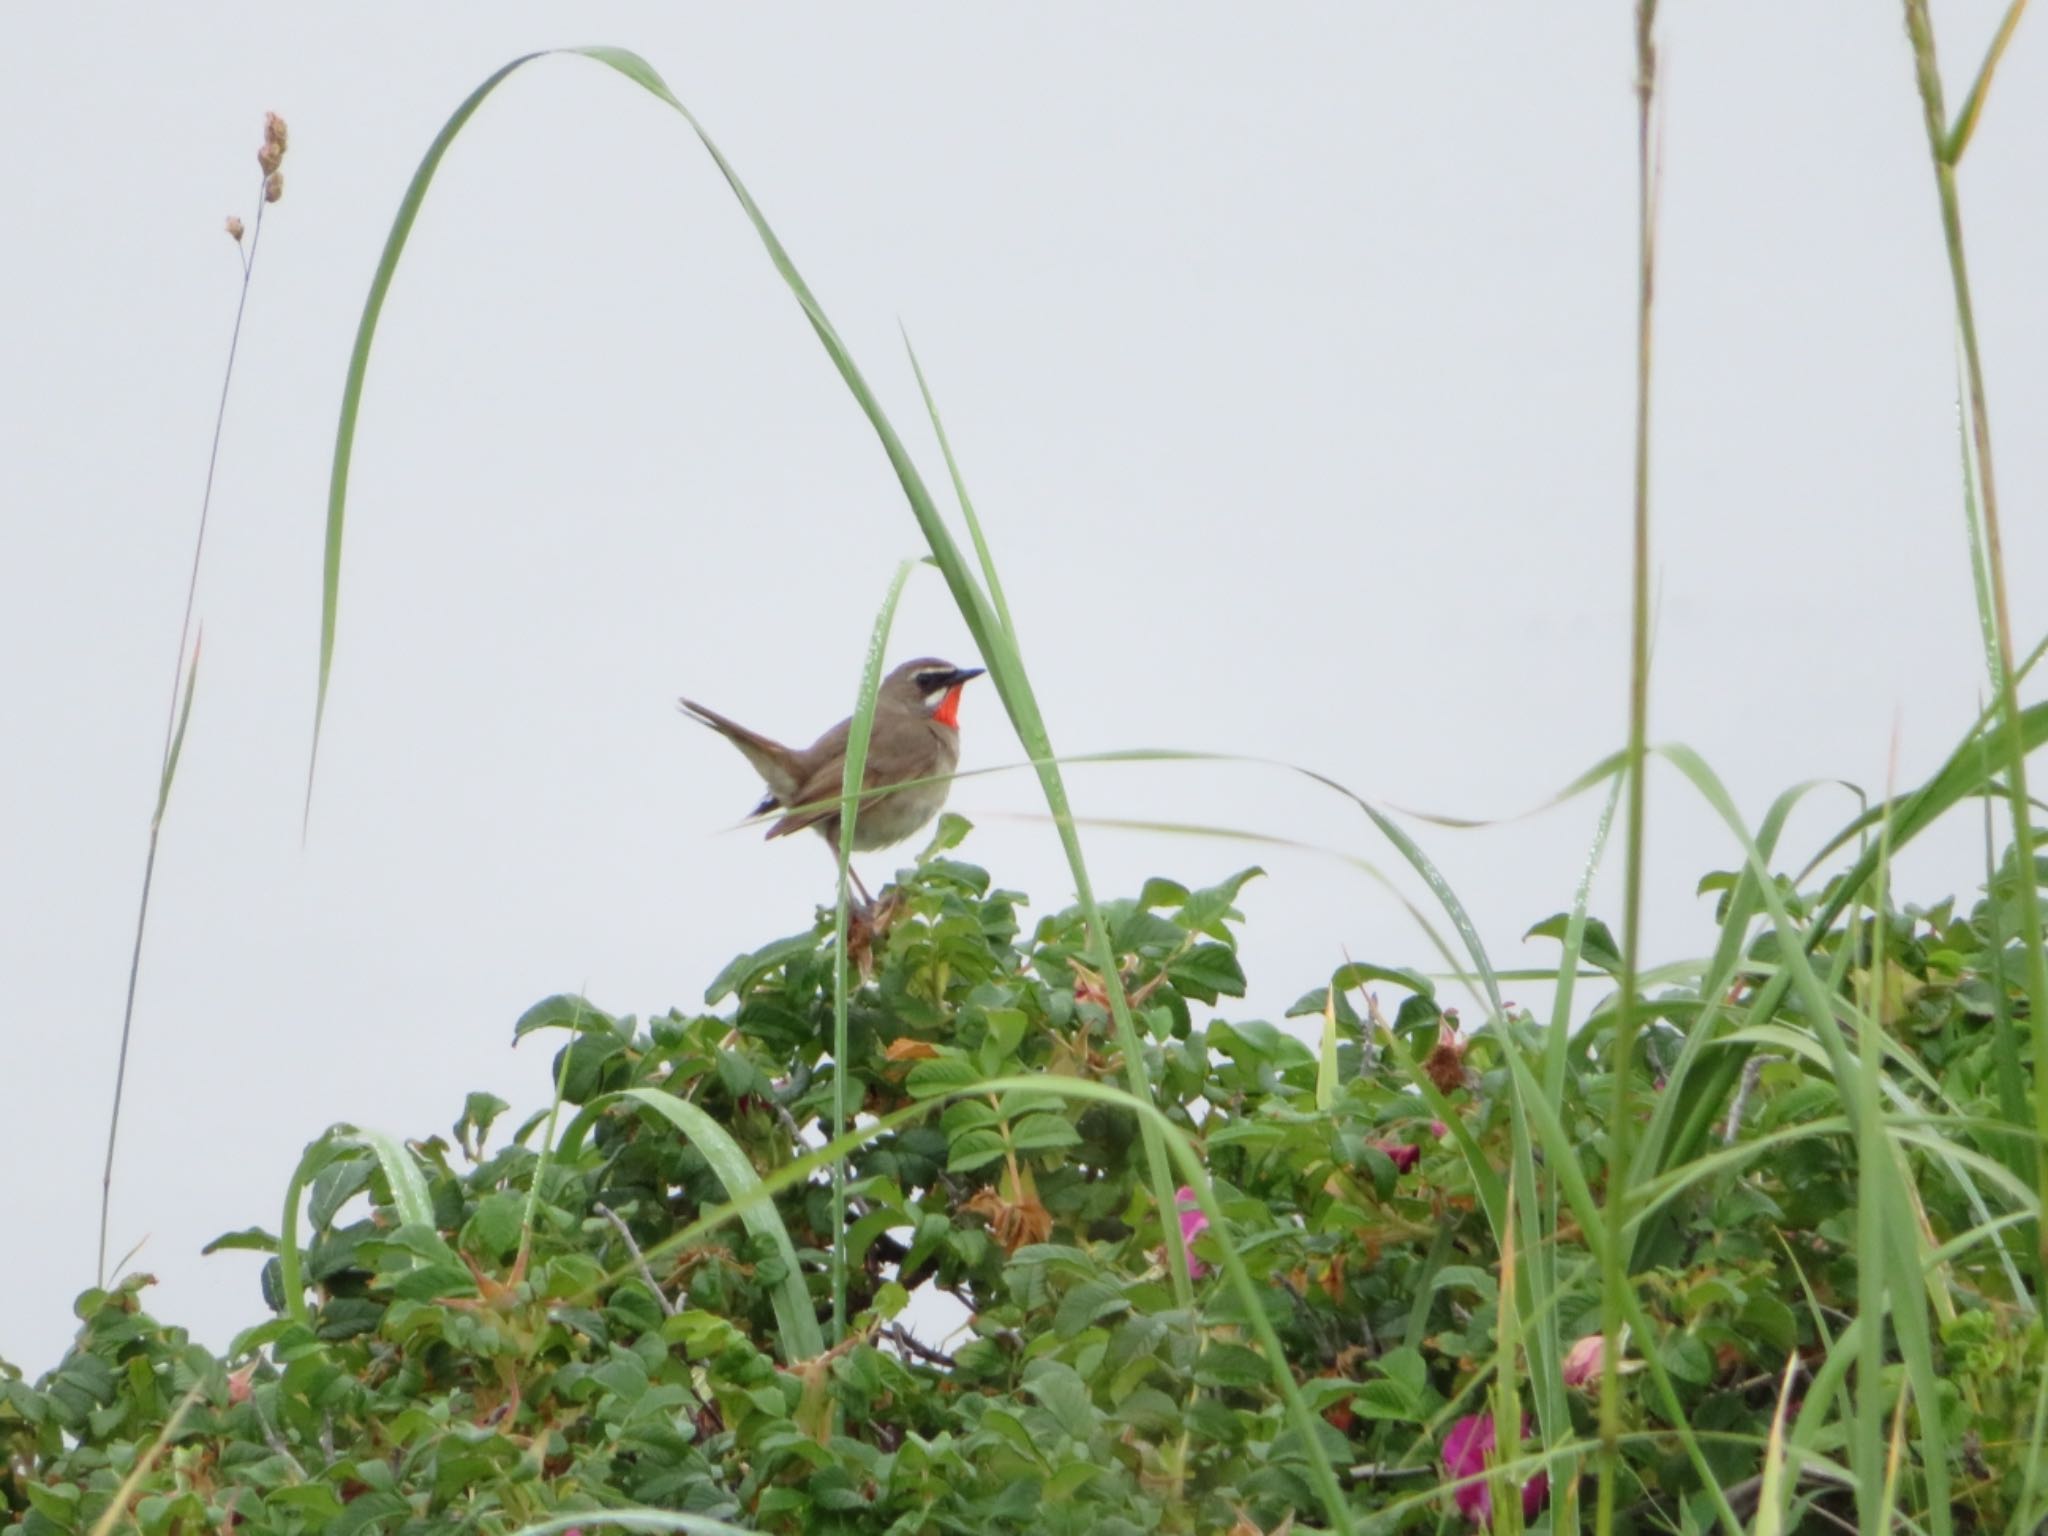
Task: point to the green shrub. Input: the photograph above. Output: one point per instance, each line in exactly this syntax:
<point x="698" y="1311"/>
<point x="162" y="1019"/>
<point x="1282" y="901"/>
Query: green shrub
<point x="564" y="1335"/>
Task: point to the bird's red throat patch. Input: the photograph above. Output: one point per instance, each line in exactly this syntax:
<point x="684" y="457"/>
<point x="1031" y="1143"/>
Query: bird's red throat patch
<point x="948" y="712"/>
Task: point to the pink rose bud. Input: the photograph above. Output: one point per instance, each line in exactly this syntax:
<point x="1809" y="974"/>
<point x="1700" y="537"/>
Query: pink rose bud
<point x="1582" y="1360"/>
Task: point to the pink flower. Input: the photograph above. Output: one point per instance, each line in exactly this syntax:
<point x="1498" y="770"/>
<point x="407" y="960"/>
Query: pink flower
<point x="1467" y="1446"/>
<point x="1193" y="1222"/>
<point x="1401" y="1156"/>
<point x="1582" y="1360"/>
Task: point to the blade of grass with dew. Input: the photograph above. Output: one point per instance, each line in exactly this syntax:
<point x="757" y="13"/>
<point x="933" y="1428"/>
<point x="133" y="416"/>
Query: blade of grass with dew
<point x="165" y="777"/>
<point x="1945" y="149"/>
<point x="290" y="1279"/>
<point x="409" y="1196"/>
<point x="1973" y="532"/>
<point x="851" y="780"/>
<point x="1539" y="1189"/>
<point x="981" y="554"/>
<point x="2005" y="1037"/>
<point x="352" y="395"/>
<point x="795" y="1317"/>
<point x="1267" y="840"/>
<point x="1005" y="664"/>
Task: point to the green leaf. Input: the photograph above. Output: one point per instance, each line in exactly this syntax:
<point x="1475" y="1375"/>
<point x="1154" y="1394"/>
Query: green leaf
<point x="1042" y="1132"/>
<point x="743" y="973"/>
<point x="1205" y="910"/>
<point x="1086" y="1304"/>
<point x="497" y="1225"/>
<point x="248" y="1240"/>
<point x="1005" y="1031"/>
<point x="564" y="1010"/>
<point x="1596" y="947"/>
<point x="975" y="1149"/>
<point x="1207" y="971"/>
<point x="950" y="832"/>
<point x="1359" y="973"/>
<point x="479" y="1111"/>
<point x="941" y="1075"/>
<point x="1159" y="892"/>
<point x="1395" y="1401"/>
<point x="1231" y="1365"/>
<point x="1061" y="1393"/>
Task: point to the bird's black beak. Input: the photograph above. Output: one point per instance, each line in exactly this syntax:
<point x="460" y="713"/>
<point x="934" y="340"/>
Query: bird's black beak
<point x="966" y="674"/>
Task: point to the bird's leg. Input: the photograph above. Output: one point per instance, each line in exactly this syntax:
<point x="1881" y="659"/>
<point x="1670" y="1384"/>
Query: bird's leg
<point x="867" y="902"/>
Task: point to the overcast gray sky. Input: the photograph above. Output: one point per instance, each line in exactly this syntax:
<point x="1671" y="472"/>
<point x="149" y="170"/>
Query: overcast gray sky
<point x="1288" y="351"/>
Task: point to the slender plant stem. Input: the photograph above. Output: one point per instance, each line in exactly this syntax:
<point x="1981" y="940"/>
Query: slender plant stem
<point x="853" y="777"/>
<point x="1945" y="148"/>
<point x="178" y="682"/>
<point x="1615" y="1280"/>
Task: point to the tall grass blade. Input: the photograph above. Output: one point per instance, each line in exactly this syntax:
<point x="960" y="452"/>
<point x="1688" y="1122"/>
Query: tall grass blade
<point x="1944" y="148"/>
<point x="796" y="1318"/>
<point x="409" y="1196"/>
<point x="352" y="394"/>
<point x="1614" y="1281"/>
<point x="981" y="554"/>
<point x="851" y="781"/>
<point x="1958" y="140"/>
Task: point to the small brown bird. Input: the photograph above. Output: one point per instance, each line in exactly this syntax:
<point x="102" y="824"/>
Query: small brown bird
<point x="915" y="743"/>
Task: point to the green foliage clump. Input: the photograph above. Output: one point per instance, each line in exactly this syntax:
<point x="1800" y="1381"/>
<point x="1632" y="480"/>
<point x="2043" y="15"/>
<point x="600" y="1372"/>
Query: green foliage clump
<point x="488" y="1335"/>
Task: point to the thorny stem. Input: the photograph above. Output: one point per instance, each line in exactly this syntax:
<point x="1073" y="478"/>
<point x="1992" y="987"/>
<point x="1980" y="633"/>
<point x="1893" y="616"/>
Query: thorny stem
<point x="248" y="261"/>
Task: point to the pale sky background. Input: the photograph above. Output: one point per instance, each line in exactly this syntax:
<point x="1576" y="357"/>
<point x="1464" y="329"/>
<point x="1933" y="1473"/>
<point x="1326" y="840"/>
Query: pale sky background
<point x="1287" y="350"/>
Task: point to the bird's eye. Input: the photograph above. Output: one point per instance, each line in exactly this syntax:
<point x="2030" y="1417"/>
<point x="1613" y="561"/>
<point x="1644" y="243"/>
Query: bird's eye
<point x="933" y="682"/>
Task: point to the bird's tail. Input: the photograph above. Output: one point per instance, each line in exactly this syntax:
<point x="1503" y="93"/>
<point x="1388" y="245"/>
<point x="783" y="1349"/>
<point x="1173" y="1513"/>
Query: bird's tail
<point x="771" y="759"/>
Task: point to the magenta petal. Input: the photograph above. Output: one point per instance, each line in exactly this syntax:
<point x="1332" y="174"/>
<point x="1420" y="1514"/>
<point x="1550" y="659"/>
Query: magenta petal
<point x="1403" y="1157"/>
<point x="1467" y="1444"/>
<point x="1193" y="1222"/>
<point x="1534" y="1492"/>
